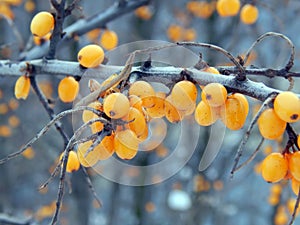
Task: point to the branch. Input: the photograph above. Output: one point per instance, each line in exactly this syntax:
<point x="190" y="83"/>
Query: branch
<point x="8" y="220"/>
<point x="82" y="26"/>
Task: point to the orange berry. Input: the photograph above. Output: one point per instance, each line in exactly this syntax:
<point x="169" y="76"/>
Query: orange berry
<point x="145" y="91"/>
<point x="90" y="56"/>
<point x="184" y="94"/>
<point x="22" y="87"/>
<point x="109" y="39"/>
<point x="281" y="218"/>
<point x="89" y="115"/>
<point x="214" y="94"/>
<point x="136" y="102"/>
<point x="136" y="121"/>
<point x="41" y="24"/>
<point x="126" y="144"/>
<point x="295" y="186"/>
<point x="287" y="106"/>
<point x="29" y="6"/>
<point x="235" y="111"/>
<point x="73" y="163"/>
<point x="143" y="12"/>
<point x="206" y="115"/>
<point x="270" y="125"/>
<point x="200" y="9"/>
<point x="116" y="105"/>
<point x="68" y="89"/>
<point x="298" y="141"/>
<point x="173" y="115"/>
<point x="294" y="165"/>
<point x="175" y="32"/>
<point x="291" y="206"/>
<point x="228" y="7"/>
<point x="189" y="34"/>
<point x="249" y="14"/>
<point x="274" y="167"/>
<point x="158" y="110"/>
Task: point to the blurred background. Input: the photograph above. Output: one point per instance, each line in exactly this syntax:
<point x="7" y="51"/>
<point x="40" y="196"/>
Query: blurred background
<point x="189" y="197"/>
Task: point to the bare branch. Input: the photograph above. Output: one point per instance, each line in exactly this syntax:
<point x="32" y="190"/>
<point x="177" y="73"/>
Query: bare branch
<point x="8" y="220"/>
<point x="295" y="209"/>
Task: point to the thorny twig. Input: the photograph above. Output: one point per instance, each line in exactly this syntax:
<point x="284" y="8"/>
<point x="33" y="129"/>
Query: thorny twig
<point x="295" y="209"/>
<point x="248" y="132"/>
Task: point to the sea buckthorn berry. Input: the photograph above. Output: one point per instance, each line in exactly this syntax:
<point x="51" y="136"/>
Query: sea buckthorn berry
<point x="136" y="121"/>
<point x="116" y="105"/>
<point x="175" y="32"/>
<point x="102" y="151"/>
<point x="29" y="6"/>
<point x="109" y="39"/>
<point x="126" y="144"/>
<point x="136" y="102"/>
<point x="73" y="163"/>
<point x="249" y="14"/>
<point x="274" y="167"/>
<point x="145" y="91"/>
<point x="189" y="34"/>
<point x="40" y="40"/>
<point x="243" y="100"/>
<point x="68" y="89"/>
<point x="294" y="165"/>
<point x="22" y="87"/>
<point x="90" y="56"/>
<point x="200" y="9"/>
<point x="41" y="24"/>
<point x="295" y="186"/>
<point x="184" y="94"/>
<point x="287" y="106"/>
<point x="144" y="12"/>
<point x="228" y="7"/>
<point x="206" y="115"/>
<point x="214" y="94"/>
<point x="281" y="218"/>
<point x="89" y="115"/>
<point x="298" y="140"/>
<point x="158" y="110"/>
<point x="233" y="114"/>
<point x="270" y="125"/>
<point x="173" y="115"/>
<point x="291" y="206"/>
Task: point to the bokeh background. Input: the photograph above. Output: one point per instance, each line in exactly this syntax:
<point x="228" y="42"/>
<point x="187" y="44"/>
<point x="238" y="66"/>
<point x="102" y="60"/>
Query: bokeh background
<point x="191" y="196"/>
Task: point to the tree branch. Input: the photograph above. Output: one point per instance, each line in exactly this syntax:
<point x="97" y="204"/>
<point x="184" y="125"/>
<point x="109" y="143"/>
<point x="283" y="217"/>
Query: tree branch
<point x="82" y="26"/>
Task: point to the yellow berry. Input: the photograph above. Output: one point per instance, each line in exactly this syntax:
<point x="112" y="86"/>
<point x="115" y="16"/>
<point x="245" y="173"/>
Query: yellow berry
<point x="136" y="102"/>
<point x="295" y="186"/>
<point x="116" y="105"/>
<point x="73" y="163"/>
<point x="249" y="14"/>
<point x="173" y="115"/>
<point x="274" y="167"/>
<point x="294" y="165"/>
<point x="22" y="87"/>
<point x="184" y="94"/>
<point x="109" y="39"/>
<point x="189" y="34"/>
<point x="228" y="7"/>
<point x="136" y="121"/>
<point x="270" y="125"/>
<point x="41" y="24"/>
<point x="126" y="144"/>
<point x="158" y="110"/>
<point x="206" y="115"/>
<point x="88" y="115"/>
<point x="90" y="56"/>
<point x="143" y="12"/>
<point x="201" y="9"/>
<point x="214" y="94"/>
<point x="68" y="89"/>
<point x="175" y="32"/>
<point x="287" y="106"/>
<point x="29" y="6"/>
<point x="145" y="91"/>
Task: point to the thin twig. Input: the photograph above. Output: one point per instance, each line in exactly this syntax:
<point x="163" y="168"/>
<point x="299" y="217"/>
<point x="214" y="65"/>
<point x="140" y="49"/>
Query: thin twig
<point x="53" y="174"/>
<point x="290" y="63"/>
<point x="91" y="187"/>
<point x="295" y="209"/>
<point x="252" y="156"/>
<point x="48" y="109"/>
<point x="45" y="130"/>
<point x="248" y="132"/>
